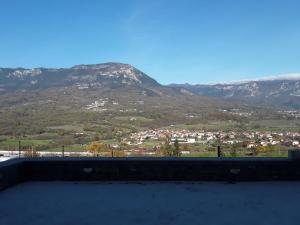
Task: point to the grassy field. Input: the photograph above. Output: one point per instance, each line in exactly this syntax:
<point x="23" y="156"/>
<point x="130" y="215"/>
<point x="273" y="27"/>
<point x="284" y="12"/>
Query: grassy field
<point x="76" y="128"/>
<point x="276" y="125"/>
<point x="200" y="154"/>
<point x="260" y="125"/>
<point x="69" y="148"/>
<point x="150" y="143"/>
<point x="15" y="142"/>
<point x="133" y="118"/>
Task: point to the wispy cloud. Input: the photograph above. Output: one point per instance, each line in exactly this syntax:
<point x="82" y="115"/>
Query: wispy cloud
<point x="287" y="76"/>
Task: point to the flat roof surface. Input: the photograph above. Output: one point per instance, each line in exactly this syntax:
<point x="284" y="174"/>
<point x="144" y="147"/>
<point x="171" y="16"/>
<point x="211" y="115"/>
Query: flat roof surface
<point x="136" y="203"/>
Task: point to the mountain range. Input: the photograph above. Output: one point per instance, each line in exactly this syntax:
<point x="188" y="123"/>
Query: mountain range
<point x="281" y="92"/>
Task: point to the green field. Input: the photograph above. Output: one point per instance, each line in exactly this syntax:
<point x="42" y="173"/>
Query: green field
<point x="15" y="142"/>
<point x="132" y="118"/>
<point x="69" y="148"/>
<point x="150" y="143"/>
<point x="76" y="128"/>
<point x="200" y="154"/>
<point x="276" y="125"/>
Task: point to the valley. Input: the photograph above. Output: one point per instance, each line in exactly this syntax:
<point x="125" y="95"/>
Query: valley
<point x="108" y="103"/>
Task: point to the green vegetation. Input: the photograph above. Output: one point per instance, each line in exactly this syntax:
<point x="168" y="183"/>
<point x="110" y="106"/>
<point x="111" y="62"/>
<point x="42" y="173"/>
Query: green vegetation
<point x="169" y="149"/>
<point x="276" y="125"/>
<point x="76" y="128"/>
<point x="68" y="148"/>
<point x="133" y="119"/>
<point x="60" y="118"/>
<point x="15" y="142"/>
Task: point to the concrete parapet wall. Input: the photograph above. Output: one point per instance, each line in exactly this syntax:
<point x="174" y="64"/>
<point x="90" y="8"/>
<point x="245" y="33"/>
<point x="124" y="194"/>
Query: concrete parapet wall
<point x="158" y="169"/>
<point x="11" y="173"/>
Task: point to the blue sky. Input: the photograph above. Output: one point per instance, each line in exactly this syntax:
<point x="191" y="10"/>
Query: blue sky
<point x="196" y="41"/>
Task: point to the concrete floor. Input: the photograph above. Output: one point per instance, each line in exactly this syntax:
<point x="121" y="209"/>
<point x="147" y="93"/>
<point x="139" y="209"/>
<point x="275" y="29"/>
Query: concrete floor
<point x="178" y="203"/>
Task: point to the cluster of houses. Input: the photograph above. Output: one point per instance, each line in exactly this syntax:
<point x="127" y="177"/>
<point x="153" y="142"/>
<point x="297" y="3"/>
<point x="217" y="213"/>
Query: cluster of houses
<point x="100" y="104"/>
<point x="249" y="138"/>
<point x="290" y="113"/>
<point x="104" y="104"/>
<point x="236" y="112"/>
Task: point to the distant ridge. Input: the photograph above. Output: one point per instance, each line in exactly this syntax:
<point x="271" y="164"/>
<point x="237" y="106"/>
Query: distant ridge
<point x="288" y="76"/>
<point x="280" y="90"/>
<point x="116" y="78"/>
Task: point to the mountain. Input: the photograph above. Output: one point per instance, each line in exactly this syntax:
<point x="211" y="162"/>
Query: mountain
<point x="81" y="86"/>
<point x="116" y="99"/>
<point x="120" y="80"/>
<point x="283" y="91"/>
<point x="114" y="75"/>
<point x="110" y="99"/>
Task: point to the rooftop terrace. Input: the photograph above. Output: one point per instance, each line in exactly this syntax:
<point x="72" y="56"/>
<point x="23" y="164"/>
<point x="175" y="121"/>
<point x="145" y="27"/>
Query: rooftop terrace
<point x="149" y="191"/>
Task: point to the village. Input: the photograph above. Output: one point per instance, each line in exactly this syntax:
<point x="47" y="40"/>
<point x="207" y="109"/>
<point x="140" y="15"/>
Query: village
<point x="249" y="139"/>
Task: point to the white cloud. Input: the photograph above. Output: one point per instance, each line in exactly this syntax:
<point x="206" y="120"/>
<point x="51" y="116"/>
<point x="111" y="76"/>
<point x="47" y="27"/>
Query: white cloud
<point x="288" y="76"/>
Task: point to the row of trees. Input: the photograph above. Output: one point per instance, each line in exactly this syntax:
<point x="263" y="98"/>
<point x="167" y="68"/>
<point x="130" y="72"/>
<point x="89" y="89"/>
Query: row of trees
<point x="100" y="149"/>
<point x="169" y="149"/>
